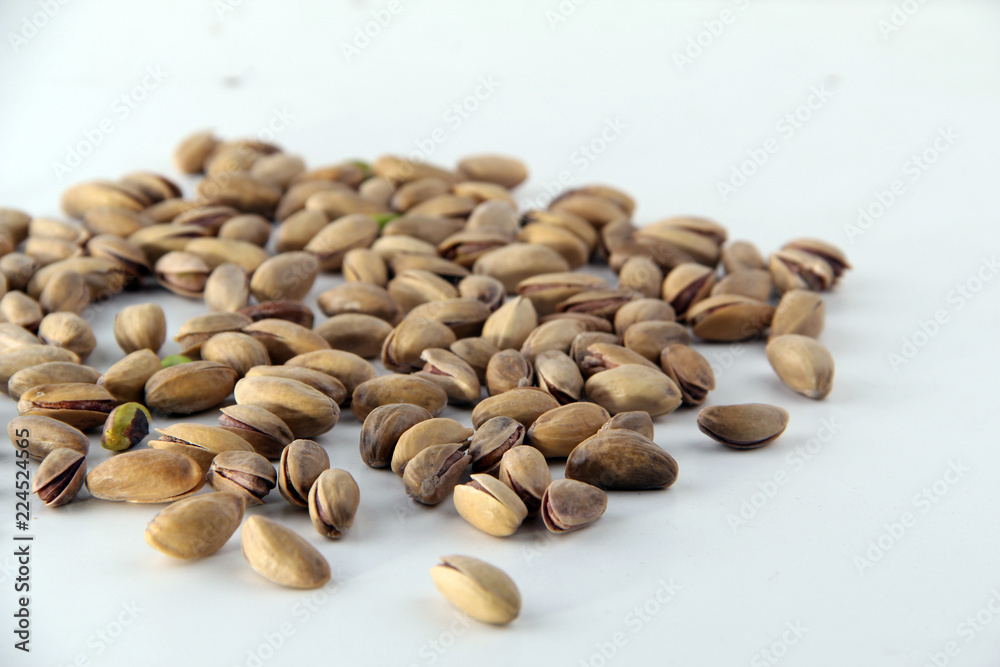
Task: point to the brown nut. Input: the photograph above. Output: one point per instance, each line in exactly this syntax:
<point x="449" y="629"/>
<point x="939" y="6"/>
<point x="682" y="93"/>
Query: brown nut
<point x="621" y="459"/>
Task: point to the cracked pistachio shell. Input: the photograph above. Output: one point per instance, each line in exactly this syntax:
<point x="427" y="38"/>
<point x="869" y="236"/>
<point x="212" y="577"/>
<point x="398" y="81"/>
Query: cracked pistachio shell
<point x="557" y="334"/>
<point x="199" y="442"/>
<point x="642" y="275"/>
<point x="306" y="411"/>
<point x="79" y="404"/>
<point x="488" y="291"/>
<point x="558" y="431"/>
<point x="183" y="273"/>
<point x="138" y="327"/>
<point x="325" y="384"/>
<point x="578" y="348"/>
<point x="690" y="371"/>
<point x="476" y="352"/>
<point x="524" y="404"/>
<point x="599" y="357"/>
<point x="802" y="363"/>
<point x="45" y="435"/>
<point x="78" y="199"/>
<point x="281" y="555"/>
<point x="621" y="459"/>
<point x="285" y="340"/>
<point x="526" y="472"/>
<point x="247" y="475"/>
<point x="65" y="291"/>
<point x="492" y="441"/>
<point x="450" y="372"/>
<point x="350" y="369"/>
<point x="146" y="476"/>
<point x="568" y="221"/>
<point x="642" y="310"/>
<point x="741" y="255"/>
<point x="51" y="372"/>
<point x="365" y="265"/>
<point x="397" y="389"/>
<point x="432" y="474"/>
<point x="361" y="298"/>
<point x="59" y="477"/>
<point x="335" y="239"/>
<point x="424" y="434"/>
<point x="127" y="425"/>
<point x="200" y="328"/>
<point x="572" y="248"/>
<point x="594" y="208"/>
<point x="478" y="589"/>
<point x="402" y="348"/>
<point x="752" y="283"/>
<point x="413" y="287"/>
<point x="490" y="505"/>
<point x="548" y="290"/>
<point x="301" y="464"/>
<point x="637" y="420"/>
<point x="247" y="227"/>
<point x="188" y="388"/>
<point x="631" y="387"/>
<point x="227" y="288"/>
<point x="382" y="428"/>
<point x="263" y="430"/>
<point x="729" y="317"/>
<point x="508" y="369"/>
<point x="828" y="252"/>
<point x="464" y="316"/>
<point x="745" y="426"/>
<point x="570" y="505"/>
<point x="559" y="375"/>
<point x="799" y="312"/>
<point x="236" y="350"/>
<point x="797" y="269"/>
<point x="195" y="527"/>
<point x="359" y="334"/>
<point x="410" y="194"/>
<point x="509" y="326"/>
<point x="515" y="262"/>
<point x="285" y="277"/>
<point x="481" y="191"/>
<point x="649" y="338"/>
<point x="333" y="502"/>
<point x="68" y="331"/>
<point x="298" y="229"/>
<point x="27" y="356"/>
<point x="602" y="304"/>
<point x="126" y="379"/>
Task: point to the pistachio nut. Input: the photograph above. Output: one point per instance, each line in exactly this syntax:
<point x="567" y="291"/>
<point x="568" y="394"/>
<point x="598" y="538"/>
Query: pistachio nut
<point x="746" y="426"/>
<point x="432" y="229"/>
<point x="126" y="379"/>
<point x="506" y="370"/>
<point x="145" y="476"/>
<point x="642" y="310"/>
<point x="556" y="432"/>
<point x="68" y="331"/>
<point x="686" y="285"/>
<point x="157" y="240"/>
<point x="20" y="309"/>
<point x="490" y="505"/>
<point x="515" y="262"/>
<point x="467" y="246"/>
<point x="140" y="326"/>
<point x="195" y="527"/>
<point x="284" y="340"/>
<point x="227" y="288"/>
<point x="402" y="348"/>
<point x="478" y="589"/>
<point x="476" y="352"/>
<point x="433" y="473"/>
<point x="306" y="411"/>
<point x="298" y="229"/>
<point x="236" y="350"/>
<point x="797" y="269"/>
<point x="42" y="435"/>
<point x="741" y="255"/>
<point x="264" y="431"/>
<point x="382" y="428"/>
<point x="78" y="199"/>
<point x="509" y="326"/>
<point x="453" y="374"/>
<point x="246" y="475"/>
<point x="333" y="502"/>
<point x="349" y="368"/>
<point x="200" y="328"/>
<point x="636" y="420"/>
<point x="632" y="387"/>
<point x="130" y="259"/>
<point x="188" y="388"/>
<point x="397" y="389"/>
<point x="729" y="317"/>
<point x="365" y="265"/>
<point x="199" y="442"/>
<point x="413" y="287"/>
<point x="803" y="364"/>
<point x="799" y="312"/>
<point x="595" y="208"/>
<point x="191" y="152"/>
<point x="559" y="375"/>
<point x="464" y="316"/>
<point x="18" y="269"/>
<point x="359" y="334"/>
<point x="489" y="291"/>
<point x="445" y="205"/>
<point x="557" y="334"/>
<point x="359" y="298"/>
<point x="242" y="192"/>
<point x="334" y="240"/>
<point x="281" y="555"/>
<point x="603" y="356"/>
<point x="412" y="193"/>
<point x="598" y="303"/>
<point x="248" y="227"/>
<point x="301" y="464"/>
<point x="570" y="505"/>
<point x="127" y="425"/>
<point x="753" y="283"/>
<point x="690" y="371"/>
<point x="27" y="356"/>
<point x="642" y="275"/>
<point x="424" y="434"/>
<point x="650" y="338"/>
<point x="524" y="404"/>
<point x="572" y="248"/>
<point x="79" y="404"/>
<point x="526" y="472"/>
<point x="325" y="384"/>
<point x="828" y="252"/>
<point x="621" y="459"/>
<point x="288" y="276"/>
<point x="492" y="440"/>
<point x="65" y="291"/>
<point x="182" y="273"/>
<point x="482" y="191"/>
<point x="46" y="250"/>
<point x="295" y="312"/>
<point x="13" y="336"/>
<point x="51" y="372"/>
<point x="500" y="169"/>
<point x="336" y="204"/>
<point x="59" y="477"/>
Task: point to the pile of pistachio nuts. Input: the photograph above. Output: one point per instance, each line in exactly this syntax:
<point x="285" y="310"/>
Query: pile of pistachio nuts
<point x="464" y="299"/>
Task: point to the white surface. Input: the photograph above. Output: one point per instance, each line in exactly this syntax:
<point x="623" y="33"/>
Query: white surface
<point x="896" y="430"/>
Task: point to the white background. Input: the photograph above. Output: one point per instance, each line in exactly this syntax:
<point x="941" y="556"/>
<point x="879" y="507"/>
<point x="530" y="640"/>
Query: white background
<point x="687" y="125"/>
